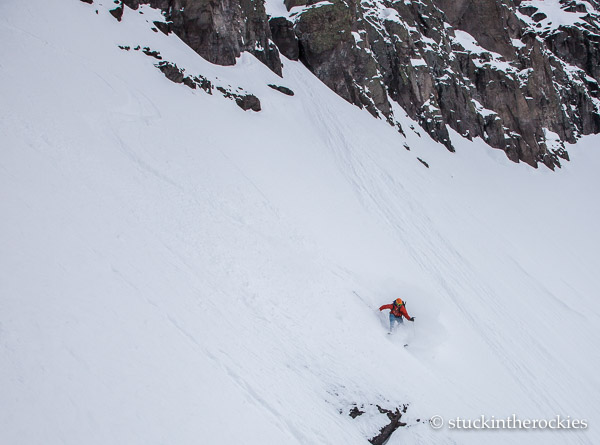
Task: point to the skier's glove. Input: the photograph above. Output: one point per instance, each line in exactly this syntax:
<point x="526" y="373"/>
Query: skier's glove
<point x="411" y="319"/>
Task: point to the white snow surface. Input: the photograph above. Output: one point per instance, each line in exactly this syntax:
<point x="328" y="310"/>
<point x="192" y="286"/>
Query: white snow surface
<point x="176" y="270"/>
<point x="481" y="109"/>
<point x="418" y="62"/>
<point x="470" y="44"/>
<point x="556" y="16"/>
<point x="276" y="8"/>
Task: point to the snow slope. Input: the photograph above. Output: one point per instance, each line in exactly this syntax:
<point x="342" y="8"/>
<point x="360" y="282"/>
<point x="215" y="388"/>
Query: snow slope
<point x="176" y="270"/>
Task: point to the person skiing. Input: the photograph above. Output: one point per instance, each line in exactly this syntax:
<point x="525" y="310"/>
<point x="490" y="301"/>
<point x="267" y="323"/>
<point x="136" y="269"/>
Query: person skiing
<point x="397" y="311"/>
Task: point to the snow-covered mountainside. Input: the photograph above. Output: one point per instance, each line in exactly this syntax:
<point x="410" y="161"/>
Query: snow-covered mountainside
<point x="517" y="74"/>
<point x="176" y="268"/>
<point x="521" y="75"/>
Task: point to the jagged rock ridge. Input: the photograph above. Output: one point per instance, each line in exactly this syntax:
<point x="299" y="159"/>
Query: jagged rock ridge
<point x="501" y="70"/>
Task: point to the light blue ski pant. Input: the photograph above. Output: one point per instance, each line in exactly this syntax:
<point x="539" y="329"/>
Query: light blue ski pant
<point x="393" y="319"/>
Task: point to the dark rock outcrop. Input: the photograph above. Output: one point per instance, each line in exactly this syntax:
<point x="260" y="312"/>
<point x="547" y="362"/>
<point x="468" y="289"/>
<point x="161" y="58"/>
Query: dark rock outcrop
<point x="244" y="101"/>
<point x="386" y="431"/>
<point x="118" y="11"/>
<point x="494" y="69"/>
<point x="336" y="53"/>
<point x="164" y="27"/>
<point x="374" y="412"/>
<point x="248" y="102"/>
<point x="289" y="4"/>
<point x="171" y="72"/>
<point x="423" y="162"/>
<point x="488" y="20"/>
<point x="538" y="93"/>
<point x="284" y="90"/>
<point x="220" y="30"/>
<point x="285" y="37"/>
<point x="146" y="50"/>
<point x="355" y="412"/>
<point x="175" y="74"/>
<point x="203" y="83"/>
<point x="497" y="80"/>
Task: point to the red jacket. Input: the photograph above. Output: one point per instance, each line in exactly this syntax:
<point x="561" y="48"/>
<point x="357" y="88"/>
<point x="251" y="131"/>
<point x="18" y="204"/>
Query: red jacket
<point x="396" y="311"/>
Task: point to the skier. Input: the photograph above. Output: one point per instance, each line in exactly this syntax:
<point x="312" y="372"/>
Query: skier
<point x="397" y="311"/>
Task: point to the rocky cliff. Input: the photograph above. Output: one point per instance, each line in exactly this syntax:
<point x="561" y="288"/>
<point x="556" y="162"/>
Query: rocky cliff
<point x="522" y="75"/>
<point x="220" y="30"/>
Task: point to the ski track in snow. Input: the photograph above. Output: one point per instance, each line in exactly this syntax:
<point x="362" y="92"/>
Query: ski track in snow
<point x="442" y="260"/>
